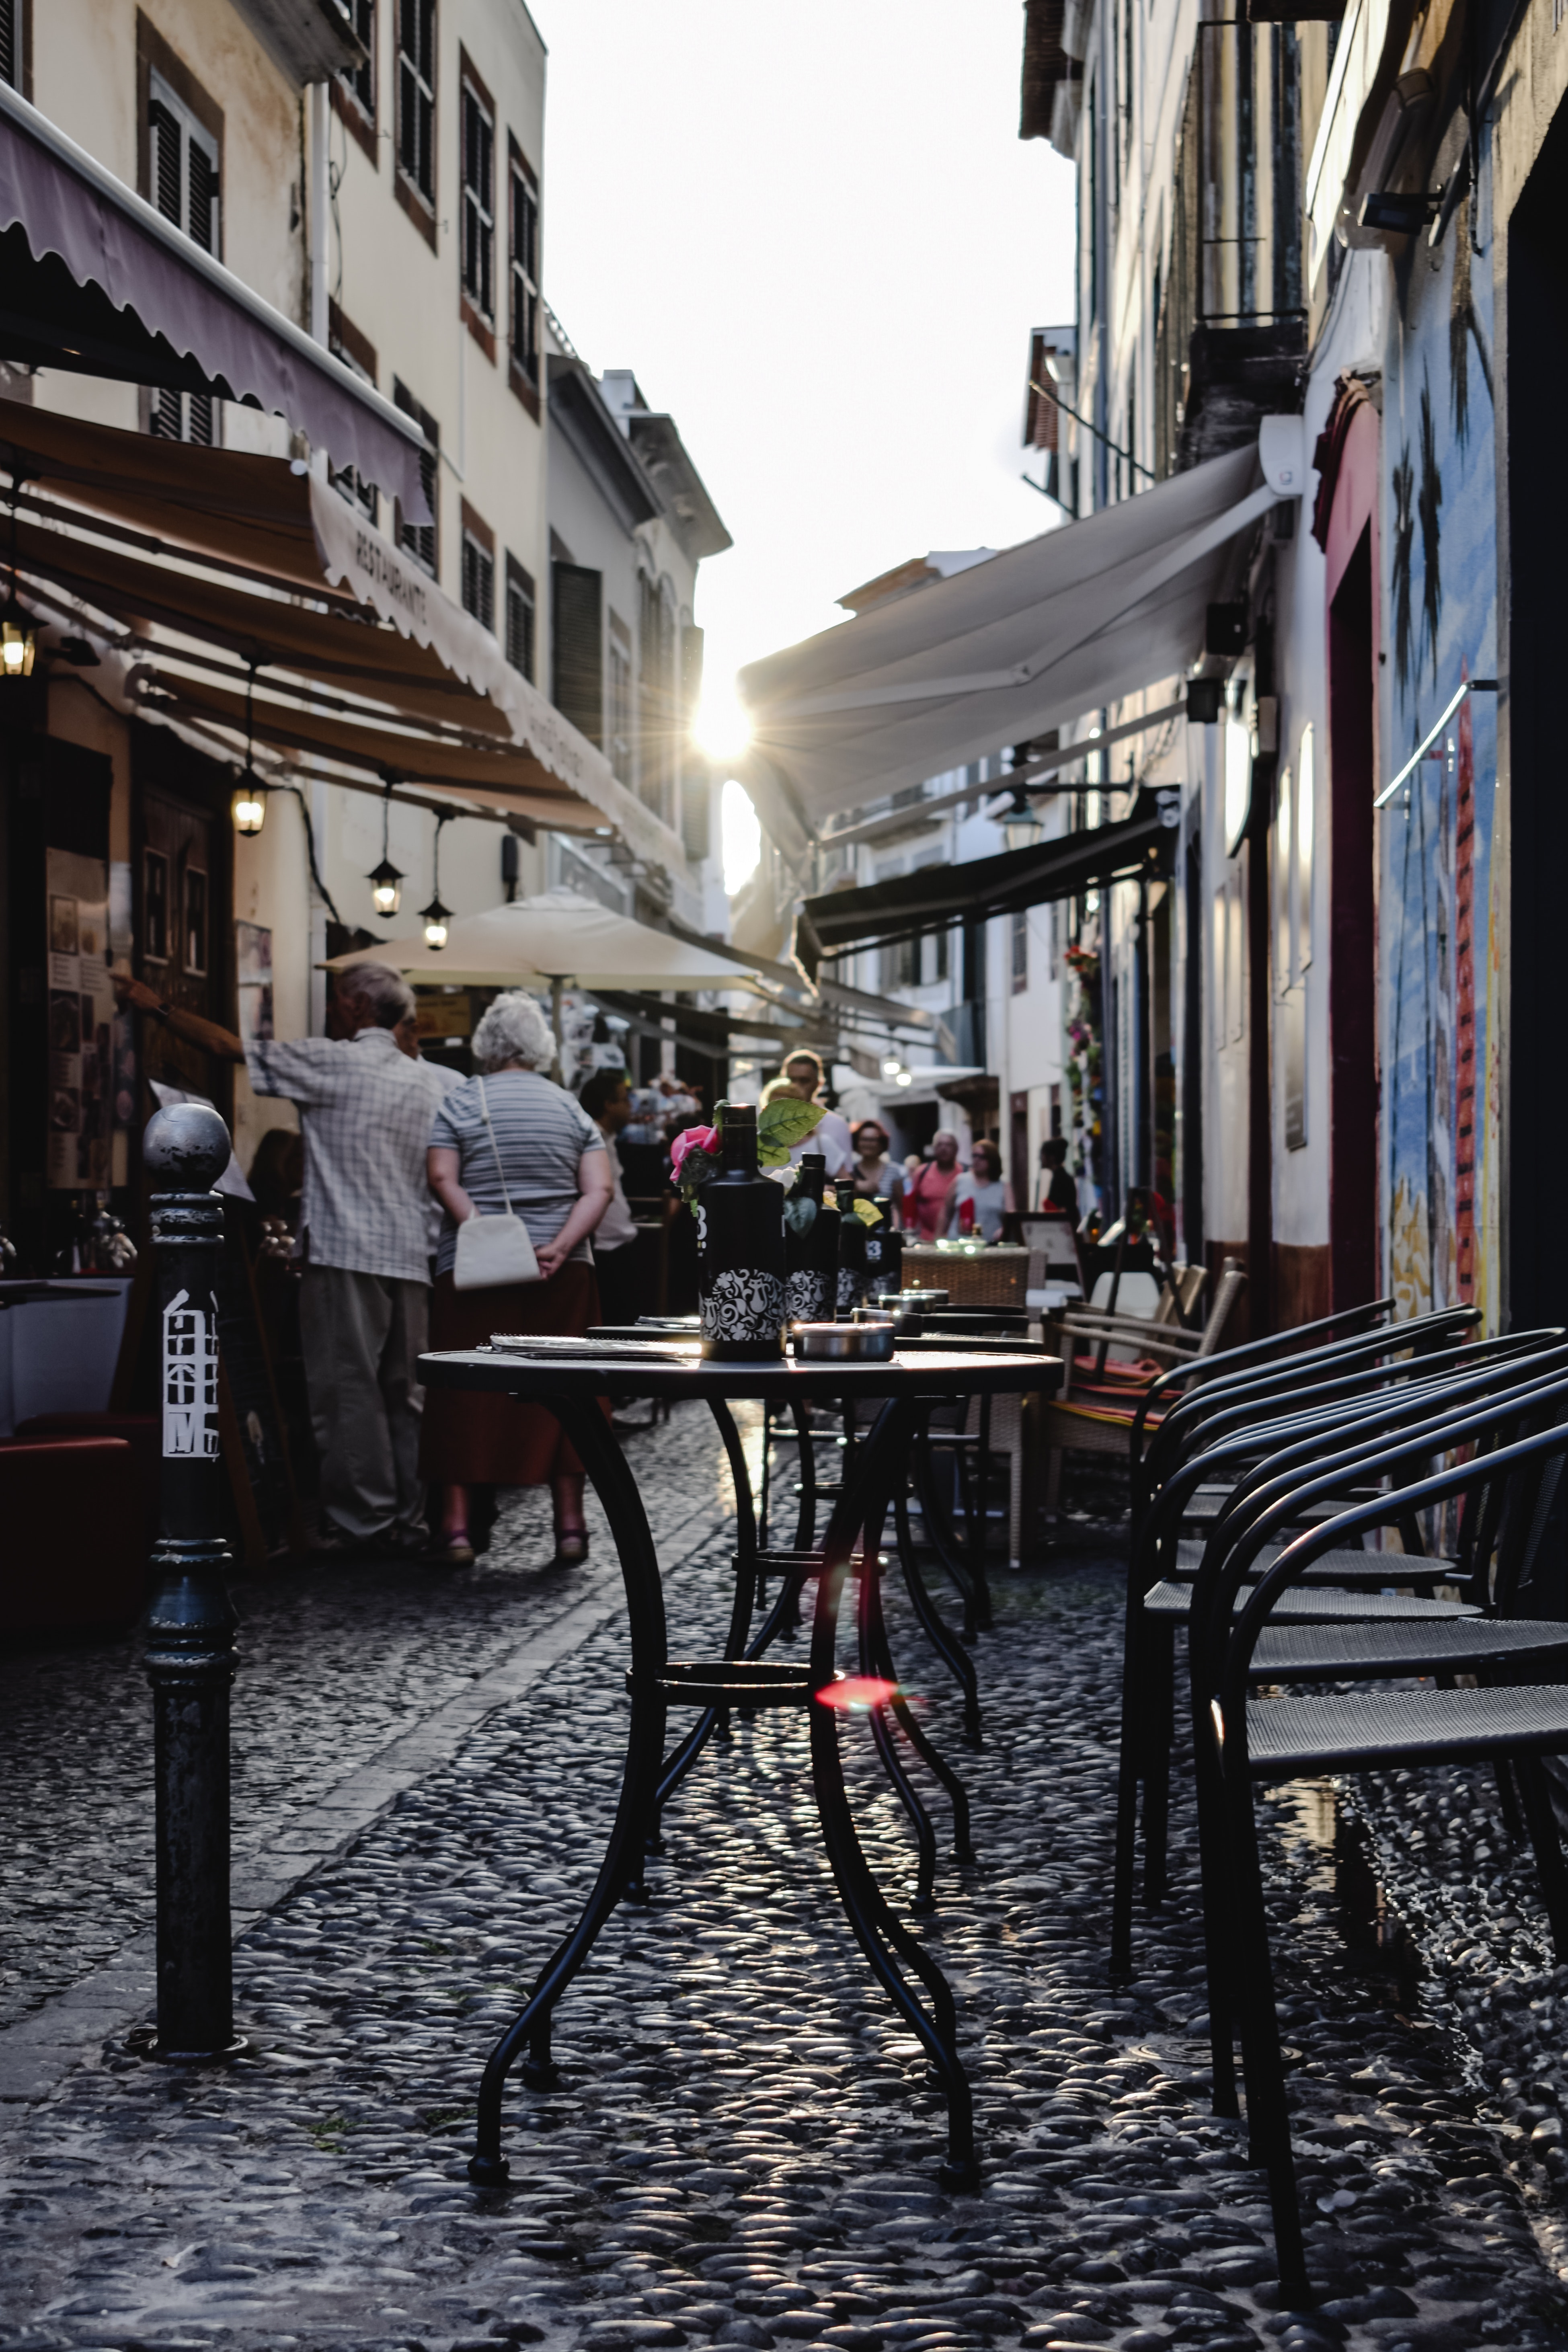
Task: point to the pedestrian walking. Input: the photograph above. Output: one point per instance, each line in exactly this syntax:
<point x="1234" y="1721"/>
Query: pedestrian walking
<point x="874" y="1176"/>
<point x="804" y="1077"/>
<point x="926" y="1195"/>
<point x="606" y="1099"/>
<point x="365" y="1102"/>
<point x="510" y="1142"/>
<point x="981" y="1191"/>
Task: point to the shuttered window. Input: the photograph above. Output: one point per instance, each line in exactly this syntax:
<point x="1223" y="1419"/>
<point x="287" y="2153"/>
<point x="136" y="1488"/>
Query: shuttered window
<point x="524" y="259"/>
<point x="579" y="647"/>
<point x="419" y="539"/>
<point x="520" y="617"/>
<point x="479" y="581"/>
<point x="359" y="81"/>
<point x="478" y="201"/>
<point x="184" y="173"/>
<point x="416" y="94"/>
<point x="13" y="43"/>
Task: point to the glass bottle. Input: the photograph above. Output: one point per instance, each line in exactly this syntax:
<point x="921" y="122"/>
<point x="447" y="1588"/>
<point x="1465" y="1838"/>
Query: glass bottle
<point x="740" y="1248"/>
<point x="884" y="1249"/>
<point x="811" y="1245"/>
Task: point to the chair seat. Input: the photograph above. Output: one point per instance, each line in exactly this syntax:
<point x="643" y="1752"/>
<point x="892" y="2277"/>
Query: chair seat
<point x="1311" y="1605"/>
<point x="1375" y="1567"/>
<point x="1360" y="1729"/>
<point x="1335" y="1652"/>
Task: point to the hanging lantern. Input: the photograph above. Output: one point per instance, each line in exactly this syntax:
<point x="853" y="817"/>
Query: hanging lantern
<point x="248" y="807"/>
<point x="386" y="880"/>
<point x="434" y="916"/>
<point x="18" y="641"/>
<point x="1021" y="829"/>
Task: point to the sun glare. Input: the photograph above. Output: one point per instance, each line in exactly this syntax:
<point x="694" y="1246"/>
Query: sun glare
<point x="720" y="728"/>
<point x="742" y="836"/>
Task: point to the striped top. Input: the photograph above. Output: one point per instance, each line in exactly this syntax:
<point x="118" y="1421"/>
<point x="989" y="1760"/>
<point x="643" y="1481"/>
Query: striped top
<point x="541" y="1133"/>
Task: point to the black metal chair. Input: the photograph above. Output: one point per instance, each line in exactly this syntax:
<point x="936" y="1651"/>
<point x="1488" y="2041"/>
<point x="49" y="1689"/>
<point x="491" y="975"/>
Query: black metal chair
<point x="1238" y="1639"/>
<point x="1381" y="1400"/>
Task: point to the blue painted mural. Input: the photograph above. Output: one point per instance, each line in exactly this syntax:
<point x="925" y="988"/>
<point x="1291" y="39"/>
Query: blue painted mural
<point x="1436" y="928"/>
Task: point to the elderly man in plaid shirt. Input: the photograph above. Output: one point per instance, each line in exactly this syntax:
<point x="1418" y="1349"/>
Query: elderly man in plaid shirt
<point x="365" y="1102"/>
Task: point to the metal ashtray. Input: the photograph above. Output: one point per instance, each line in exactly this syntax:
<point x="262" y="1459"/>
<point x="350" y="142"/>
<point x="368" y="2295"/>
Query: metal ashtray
<point x="905" y="1326"/>
<point x="844" y="1343"/>
<point x="920" y="1302"/>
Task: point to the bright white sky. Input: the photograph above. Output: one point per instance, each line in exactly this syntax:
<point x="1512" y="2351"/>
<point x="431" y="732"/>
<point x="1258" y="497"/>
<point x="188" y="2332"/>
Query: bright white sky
<point x="814" y="233"/>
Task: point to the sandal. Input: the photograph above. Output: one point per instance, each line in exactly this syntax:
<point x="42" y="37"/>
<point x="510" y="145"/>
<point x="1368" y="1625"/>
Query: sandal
<point x="450" y="1552"/>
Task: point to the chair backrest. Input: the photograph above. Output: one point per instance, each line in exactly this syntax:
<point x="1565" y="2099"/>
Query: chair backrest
<point x="1227" y="1299"/>
<point x="1190" y="1281"/>
<point x="1268" y="1463"/>
<point x="1351" y="1438"/>
<point x="1264" y="1409"/>
<point x="1223" y="1643"/>
<point x="1220" y="1390"/>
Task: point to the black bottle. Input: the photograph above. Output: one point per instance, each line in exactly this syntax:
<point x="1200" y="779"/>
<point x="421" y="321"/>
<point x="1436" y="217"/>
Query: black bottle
<point x="853" y="1274"/>
<point x="884" y="1253"/>
<point x="739" y="1249"/>
<point x="811" y="1246"/>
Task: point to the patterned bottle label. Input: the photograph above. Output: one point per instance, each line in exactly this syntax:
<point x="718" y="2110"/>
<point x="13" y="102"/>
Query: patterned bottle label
<point x="851" y="1287"/>
<point x="742" y="1304"/>
<point x="808" y="1297"/>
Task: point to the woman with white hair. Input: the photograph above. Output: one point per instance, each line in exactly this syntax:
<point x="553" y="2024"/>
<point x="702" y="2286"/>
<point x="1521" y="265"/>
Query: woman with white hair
<point x="509" y="1136"/>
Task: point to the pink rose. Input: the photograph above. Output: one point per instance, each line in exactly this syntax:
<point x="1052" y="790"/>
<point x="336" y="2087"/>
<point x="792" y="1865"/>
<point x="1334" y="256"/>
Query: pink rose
<point x="692" y="1139"/>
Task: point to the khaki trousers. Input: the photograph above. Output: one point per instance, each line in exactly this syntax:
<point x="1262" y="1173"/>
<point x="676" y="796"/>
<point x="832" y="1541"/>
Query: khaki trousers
<point x="363" y="1334"/>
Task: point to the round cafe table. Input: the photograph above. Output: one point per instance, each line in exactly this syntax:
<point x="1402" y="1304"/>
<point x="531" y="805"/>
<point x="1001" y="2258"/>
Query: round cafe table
<point x="570" y="1386"/>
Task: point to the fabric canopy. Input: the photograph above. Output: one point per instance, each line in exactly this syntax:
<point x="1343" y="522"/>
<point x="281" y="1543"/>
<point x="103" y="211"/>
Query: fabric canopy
<point x="557" y="936"/>
<point x="936" y="897"/>
<point x="1032" y="639"/>
<point x="376" y="627"/>
<point x="95" y="280"/>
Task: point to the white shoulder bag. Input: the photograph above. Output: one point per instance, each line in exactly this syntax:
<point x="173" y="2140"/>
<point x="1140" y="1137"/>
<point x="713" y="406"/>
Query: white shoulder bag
<point x="493" y="1250"/>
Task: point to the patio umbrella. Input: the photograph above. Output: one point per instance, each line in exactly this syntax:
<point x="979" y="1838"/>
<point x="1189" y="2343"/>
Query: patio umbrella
<point x="560" y="937"/>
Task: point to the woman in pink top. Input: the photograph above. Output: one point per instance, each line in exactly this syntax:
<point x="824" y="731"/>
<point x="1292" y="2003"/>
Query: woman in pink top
<point x="924" y="1204"/>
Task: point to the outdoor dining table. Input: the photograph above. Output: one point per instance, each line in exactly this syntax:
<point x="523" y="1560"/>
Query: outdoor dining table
<point x="571" y="1385"/>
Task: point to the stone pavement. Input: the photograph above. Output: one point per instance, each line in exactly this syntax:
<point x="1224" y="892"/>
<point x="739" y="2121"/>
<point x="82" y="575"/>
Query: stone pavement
<point x="745" y="2151"/>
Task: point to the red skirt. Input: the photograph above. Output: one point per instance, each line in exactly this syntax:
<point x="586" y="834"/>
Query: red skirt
<point x="471" y="1439"/>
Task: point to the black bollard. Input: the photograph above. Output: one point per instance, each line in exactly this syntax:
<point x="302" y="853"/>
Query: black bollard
<point x="191" y="1656"/>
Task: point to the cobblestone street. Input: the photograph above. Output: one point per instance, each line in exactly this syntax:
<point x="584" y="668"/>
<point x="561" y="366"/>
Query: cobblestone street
<point x="743" y="2150"/>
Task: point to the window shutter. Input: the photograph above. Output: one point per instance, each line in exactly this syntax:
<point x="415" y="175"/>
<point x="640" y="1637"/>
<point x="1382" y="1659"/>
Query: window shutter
<point x="10" y="43"/>
<point x="579" y="647"/>
<point x="164" y="133"/>
<point x="202" y="222"/>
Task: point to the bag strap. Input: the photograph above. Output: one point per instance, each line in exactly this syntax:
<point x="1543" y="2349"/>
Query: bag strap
<point x="501" y="1172"/>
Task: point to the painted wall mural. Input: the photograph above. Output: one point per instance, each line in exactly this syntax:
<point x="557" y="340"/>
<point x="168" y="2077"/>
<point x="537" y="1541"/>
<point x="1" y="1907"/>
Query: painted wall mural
<point x="1436" y="928"/>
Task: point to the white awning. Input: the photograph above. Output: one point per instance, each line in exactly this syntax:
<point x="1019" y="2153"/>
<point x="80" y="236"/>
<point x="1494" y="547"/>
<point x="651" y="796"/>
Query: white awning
<point x="1035" y="638"/>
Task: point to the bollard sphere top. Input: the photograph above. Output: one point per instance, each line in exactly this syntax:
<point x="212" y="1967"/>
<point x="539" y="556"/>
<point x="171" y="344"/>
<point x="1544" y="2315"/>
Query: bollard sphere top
<point x="185" y="1149"/>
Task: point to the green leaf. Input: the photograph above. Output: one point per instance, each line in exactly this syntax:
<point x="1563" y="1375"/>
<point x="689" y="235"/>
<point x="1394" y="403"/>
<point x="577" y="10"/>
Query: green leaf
<point x="868" y="1212"/>
<point x="772" y="1155"/>
<point x="787" y="1121"/>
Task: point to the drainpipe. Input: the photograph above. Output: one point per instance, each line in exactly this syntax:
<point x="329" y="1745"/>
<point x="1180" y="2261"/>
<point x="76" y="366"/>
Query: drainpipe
<point x="317" y="211"/>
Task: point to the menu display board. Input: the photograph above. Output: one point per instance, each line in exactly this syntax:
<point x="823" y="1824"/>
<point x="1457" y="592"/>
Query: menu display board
<point x="82" y="1023"/>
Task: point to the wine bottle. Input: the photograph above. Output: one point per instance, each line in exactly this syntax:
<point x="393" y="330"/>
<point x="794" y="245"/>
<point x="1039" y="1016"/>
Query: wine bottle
<point x="811" y="1245"/>
<point x="740" y="1248"/>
